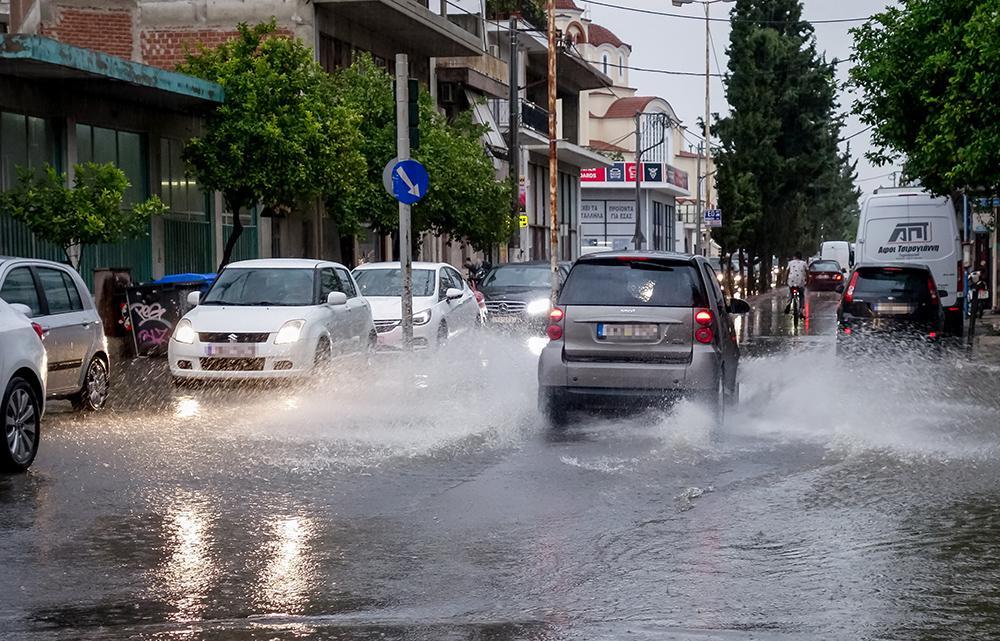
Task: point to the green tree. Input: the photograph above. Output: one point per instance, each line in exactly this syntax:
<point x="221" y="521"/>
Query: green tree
<point x="781" y="176"/>
<point x="464" y="199"/>
<point x="88" y="213"/>
<point x="928" y="72"/>
<point x="281" y="138"/>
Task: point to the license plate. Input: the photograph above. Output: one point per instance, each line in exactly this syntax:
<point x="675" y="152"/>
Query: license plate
<point x="627" y="331"/>
<point x="893" y="309"/>
<point x="505" y="320"/>
<point x="237" y="350"/>
<point x="823" y="276"/>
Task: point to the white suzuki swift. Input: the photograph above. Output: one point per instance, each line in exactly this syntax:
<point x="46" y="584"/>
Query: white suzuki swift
<point x="272" y="318"/>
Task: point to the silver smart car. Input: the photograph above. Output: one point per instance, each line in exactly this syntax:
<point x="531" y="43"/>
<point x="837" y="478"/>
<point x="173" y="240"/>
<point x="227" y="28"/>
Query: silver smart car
<point x="639" y="328"/>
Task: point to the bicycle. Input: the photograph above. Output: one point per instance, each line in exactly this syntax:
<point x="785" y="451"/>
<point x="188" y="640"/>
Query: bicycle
<point x="796" y="304"/>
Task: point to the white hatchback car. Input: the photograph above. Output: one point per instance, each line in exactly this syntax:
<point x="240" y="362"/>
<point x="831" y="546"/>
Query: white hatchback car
<point x="443" y="303"/>
<point x="22" y="384"/>
<point x="271" y="318"/>
<point x="79" y="367"/>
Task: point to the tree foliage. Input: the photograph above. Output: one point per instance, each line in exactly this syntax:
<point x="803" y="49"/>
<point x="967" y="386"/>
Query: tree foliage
<point x="464" y="199"/>
<point x="88" y="213"/>
<point x="783" y="184"/>
<point x="533" y="11"/>
<point x="281" y="137"/>
<point x="929" y="77"/>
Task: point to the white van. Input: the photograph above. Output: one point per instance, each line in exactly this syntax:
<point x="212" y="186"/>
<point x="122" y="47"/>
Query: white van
<point x="909" y="225"/>
<point x="838" y="250"/>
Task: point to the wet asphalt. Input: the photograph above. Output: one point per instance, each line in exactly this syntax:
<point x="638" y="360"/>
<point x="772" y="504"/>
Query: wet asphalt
<point x="427" y="500"/>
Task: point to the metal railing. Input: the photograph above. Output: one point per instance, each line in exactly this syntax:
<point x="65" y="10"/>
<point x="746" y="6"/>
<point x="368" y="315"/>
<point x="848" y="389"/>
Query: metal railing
<point x="532" y="116"/>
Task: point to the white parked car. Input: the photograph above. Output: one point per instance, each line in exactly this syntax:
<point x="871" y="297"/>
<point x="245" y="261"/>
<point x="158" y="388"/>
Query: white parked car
<point x="443" y="303"/>
<point x="22" y="381"/>
<point x="271" y="318"/>
<point x="59" y="301"/>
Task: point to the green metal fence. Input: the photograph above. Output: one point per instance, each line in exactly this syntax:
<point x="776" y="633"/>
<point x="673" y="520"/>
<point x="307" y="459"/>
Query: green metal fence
<point x="187" y="246"/>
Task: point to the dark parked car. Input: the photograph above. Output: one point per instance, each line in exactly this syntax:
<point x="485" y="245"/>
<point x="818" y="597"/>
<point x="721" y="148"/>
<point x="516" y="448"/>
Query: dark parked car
<point x="825" y="276"/>
<point x="518" y="295"/>
<point x="889" y="304"/>
<point x="639" y="328"/>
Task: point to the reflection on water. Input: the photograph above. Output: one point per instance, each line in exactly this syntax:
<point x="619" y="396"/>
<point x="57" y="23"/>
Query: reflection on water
<point x="187" y="407"/>
<point x="286" y="579"/>
<point x="189" y="570"/>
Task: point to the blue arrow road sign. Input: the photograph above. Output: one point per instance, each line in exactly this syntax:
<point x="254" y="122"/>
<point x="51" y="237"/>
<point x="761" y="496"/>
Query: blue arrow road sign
<point x="409" y="181"/>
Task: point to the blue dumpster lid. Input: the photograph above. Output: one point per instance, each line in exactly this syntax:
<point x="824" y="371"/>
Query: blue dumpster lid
<point x="185" y="278"/>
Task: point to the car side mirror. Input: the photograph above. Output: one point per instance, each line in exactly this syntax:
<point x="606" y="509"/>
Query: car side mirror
<point x="453" y="293"/>
<point x="336" y="299"/>
<point x="739" y="306"/>
<point x="840" y="289"/>
<point x="21" y="308"/>
<point x="194" y="298"/>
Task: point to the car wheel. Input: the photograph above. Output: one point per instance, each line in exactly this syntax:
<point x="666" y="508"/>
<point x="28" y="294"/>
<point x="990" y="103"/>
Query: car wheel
<point x="442" y="335"/>
<point x="96" y="386"/>
<point x="21" y="416"/>
<point x="323" y="356"/>
<point x="553" y="409"/>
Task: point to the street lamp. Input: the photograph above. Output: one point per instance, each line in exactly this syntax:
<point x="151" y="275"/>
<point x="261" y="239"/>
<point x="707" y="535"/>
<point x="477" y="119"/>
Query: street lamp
<point x="708" y="105"/>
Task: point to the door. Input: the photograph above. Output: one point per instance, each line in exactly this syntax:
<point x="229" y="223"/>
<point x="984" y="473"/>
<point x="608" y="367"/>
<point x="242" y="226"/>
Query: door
<point x="358" y="314"/>
<point x="466" y="309"/>
<point x="70" y="328"/>
<point x="336" y="318"/>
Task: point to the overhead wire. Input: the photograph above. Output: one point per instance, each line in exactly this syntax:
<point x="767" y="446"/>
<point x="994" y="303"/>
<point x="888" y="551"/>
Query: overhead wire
<point x="685" y="16"/>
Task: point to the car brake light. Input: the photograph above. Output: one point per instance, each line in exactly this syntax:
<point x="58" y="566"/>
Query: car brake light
<point x="703" y="317"/>
<point x="704" y="335"/>
<point x="555" y="330"/>
<point x="849" y="294"/>
<point x="838" y="277"/>
<point x="932" y="335"/>
<point x="38" y="329"/>
<point x="847" y="330"/>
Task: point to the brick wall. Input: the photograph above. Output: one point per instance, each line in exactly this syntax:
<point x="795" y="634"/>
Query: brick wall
<point x="107" y="30"/>
<point x="165" y="48"/>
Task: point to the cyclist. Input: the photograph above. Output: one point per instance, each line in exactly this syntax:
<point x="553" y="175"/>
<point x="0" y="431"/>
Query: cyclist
<point x="798" y="271"/>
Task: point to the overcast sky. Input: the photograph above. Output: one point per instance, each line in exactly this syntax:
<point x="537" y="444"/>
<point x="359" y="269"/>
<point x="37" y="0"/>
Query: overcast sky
<point x="678" y="44"/>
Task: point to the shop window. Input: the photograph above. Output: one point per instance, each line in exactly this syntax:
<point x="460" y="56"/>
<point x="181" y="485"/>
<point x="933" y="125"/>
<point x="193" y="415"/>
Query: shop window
<point x="180" y="193"/>
<point x="25" y="141"/>
<point x="123" y="148"/>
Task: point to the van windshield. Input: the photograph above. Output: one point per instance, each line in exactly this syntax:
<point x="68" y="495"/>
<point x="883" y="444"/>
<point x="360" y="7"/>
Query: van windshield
<point x="633" y="283"/>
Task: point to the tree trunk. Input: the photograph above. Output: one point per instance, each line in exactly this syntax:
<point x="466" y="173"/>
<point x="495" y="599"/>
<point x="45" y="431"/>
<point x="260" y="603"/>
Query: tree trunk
<point x="743" y="272"/>
<point x="766" y="263"/>
<point x="73" y="252"/>
<point x="234" y="237"/>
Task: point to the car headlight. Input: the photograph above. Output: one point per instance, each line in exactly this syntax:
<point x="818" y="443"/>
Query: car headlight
<point x="184" y="332"/>
<point x="289" y="332"/>
<point x="422" y="318"/>
<point x="538" y="307"/>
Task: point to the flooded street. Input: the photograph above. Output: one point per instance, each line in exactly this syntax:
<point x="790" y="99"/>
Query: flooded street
<point x="429" y="501"/>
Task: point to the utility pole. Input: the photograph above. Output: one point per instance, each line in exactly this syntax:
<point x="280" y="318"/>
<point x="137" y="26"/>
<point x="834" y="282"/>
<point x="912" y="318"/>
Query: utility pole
<point x="514" y="127"/>
<point x="699" y="213"/>
<point x="708" y="111"/>
<point x="403" y="153"/>
<point x="553" y="155"/>
<point x="638" y="237"/>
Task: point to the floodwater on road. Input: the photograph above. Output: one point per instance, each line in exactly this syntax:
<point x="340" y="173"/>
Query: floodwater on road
<point x="427" y="500"/>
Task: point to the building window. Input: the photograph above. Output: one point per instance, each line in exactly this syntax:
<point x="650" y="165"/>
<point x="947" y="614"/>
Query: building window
<point x="125" y="149"/>
<point x="25" y="141"/>
<point x="181" y="194"/>
<point x="621" y="66"/>
<point x="604" y="61"/>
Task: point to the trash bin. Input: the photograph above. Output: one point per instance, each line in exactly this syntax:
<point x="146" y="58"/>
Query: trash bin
<point x="156" y="307"/>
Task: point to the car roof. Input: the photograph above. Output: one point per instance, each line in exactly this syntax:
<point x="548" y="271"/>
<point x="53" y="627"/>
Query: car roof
<point x="638" y="254"/>
<point x="881" y="265"/>
<point x="396" y="265"/>
<point x="281" y="263"/>
<point x="33" y="261"/>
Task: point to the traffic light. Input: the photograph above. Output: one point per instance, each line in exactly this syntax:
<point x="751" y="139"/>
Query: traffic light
<point x="413" y="111"/>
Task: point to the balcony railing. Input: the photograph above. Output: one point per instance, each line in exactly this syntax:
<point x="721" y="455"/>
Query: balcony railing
<point x="532" y="116"/>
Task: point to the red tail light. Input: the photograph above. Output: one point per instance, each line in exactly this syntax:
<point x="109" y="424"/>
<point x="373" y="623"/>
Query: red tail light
<point x="555" y="330"/>
<point x="932" y="335"/>
<point x="38" y="329"/>
<point x="703" y="317"/>
<point x="704" y="335"/>
<point x="847" y="330"/>
<point x="838" y="277"/>
<point x="849" y="294"/>
<point x="932" y="288"/>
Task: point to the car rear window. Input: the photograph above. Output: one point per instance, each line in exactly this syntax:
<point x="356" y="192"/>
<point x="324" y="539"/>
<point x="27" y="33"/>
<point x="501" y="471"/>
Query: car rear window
<point x="635" y="283"/>
<point x="825" y="266"/>
<point x="894" y="282"/>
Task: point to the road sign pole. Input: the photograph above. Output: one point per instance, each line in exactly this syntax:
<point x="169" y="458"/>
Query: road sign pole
<point x="403" y="153"/>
